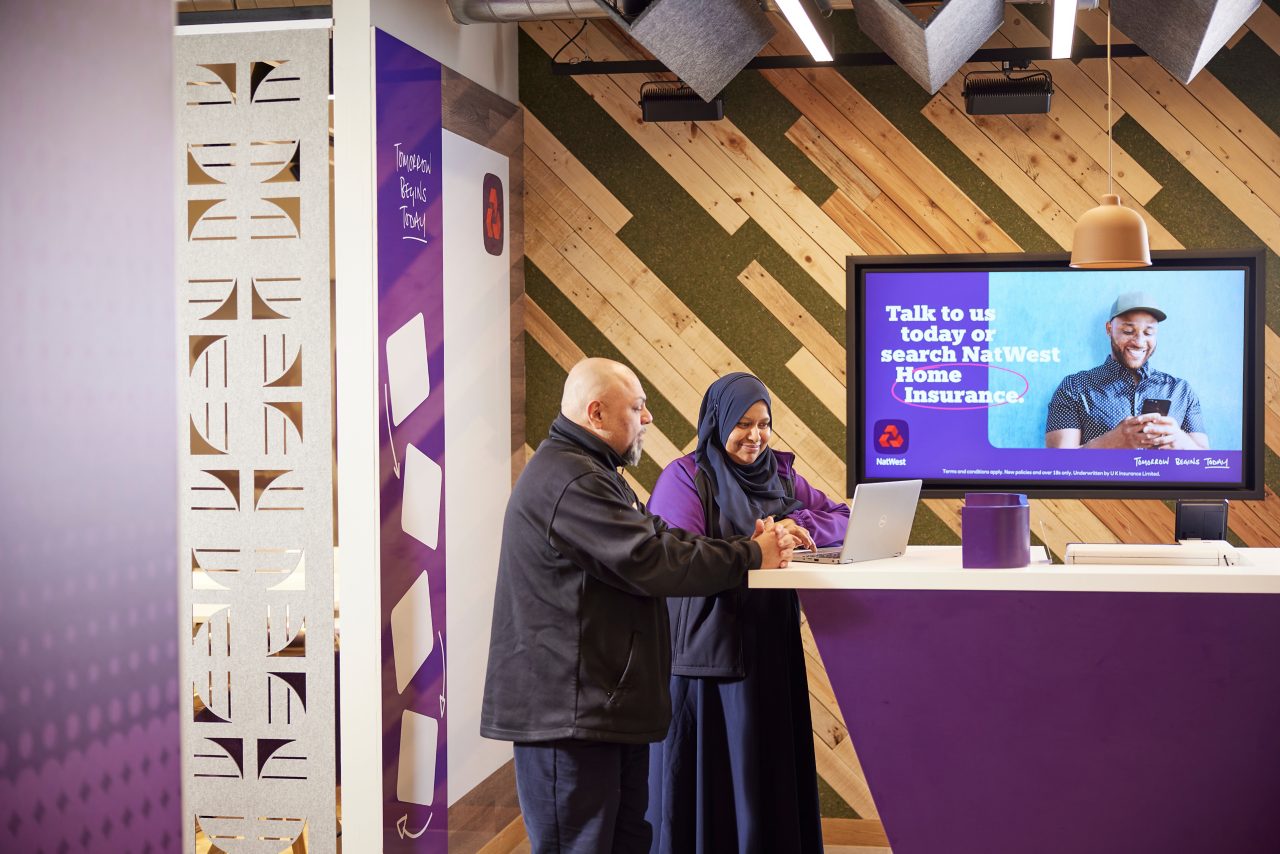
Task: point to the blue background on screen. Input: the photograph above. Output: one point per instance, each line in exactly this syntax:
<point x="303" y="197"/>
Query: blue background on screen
<point x="1202" y="341"/>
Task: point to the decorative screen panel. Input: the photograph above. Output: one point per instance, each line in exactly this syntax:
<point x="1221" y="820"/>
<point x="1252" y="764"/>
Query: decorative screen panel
<point x="256" y="474"/>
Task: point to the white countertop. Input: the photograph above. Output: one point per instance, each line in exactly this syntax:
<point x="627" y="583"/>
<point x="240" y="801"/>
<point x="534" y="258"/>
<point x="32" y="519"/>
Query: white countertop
<point x="938" y="568"/>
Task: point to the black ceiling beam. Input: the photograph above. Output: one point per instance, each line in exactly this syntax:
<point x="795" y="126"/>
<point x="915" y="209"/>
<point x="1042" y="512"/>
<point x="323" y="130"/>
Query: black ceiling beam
<point x="1014" y="55"/>
<point x="256" y="16"/>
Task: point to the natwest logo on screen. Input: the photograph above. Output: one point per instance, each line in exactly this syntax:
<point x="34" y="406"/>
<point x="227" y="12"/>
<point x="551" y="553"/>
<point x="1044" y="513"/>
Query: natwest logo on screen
<point x="891" y="436"/>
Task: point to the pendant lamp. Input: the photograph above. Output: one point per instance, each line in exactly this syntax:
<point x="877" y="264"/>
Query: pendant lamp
<point x="1110" y="236"/>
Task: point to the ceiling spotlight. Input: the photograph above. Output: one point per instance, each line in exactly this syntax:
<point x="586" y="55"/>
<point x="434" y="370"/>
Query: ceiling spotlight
<point x="989" y="93"/>
<point x="674" y="101"/>
<point x="800" y="21"/>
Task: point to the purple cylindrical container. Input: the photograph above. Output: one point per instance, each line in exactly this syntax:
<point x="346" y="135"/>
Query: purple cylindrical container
<point x="995" y="530"/>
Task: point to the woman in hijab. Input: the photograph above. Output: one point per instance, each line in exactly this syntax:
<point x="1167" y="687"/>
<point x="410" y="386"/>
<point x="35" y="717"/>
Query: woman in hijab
<point x="736" y="771"/>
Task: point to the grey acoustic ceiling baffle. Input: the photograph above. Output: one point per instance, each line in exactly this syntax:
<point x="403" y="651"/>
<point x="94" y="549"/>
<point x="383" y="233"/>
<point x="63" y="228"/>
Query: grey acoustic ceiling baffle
<point x="1182" y="35"/>
<point x="930" y="51"/>
<point x="705" y="44"/>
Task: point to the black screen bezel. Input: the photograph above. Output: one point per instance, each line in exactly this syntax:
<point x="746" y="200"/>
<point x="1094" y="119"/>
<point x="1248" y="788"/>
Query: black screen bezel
<point x="1251" y="261"/>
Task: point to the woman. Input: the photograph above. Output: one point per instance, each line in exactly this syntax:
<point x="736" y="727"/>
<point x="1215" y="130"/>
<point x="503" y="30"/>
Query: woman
<point x="736" y="771"/>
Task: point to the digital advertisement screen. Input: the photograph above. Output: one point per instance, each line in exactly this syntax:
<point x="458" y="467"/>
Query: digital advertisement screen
<point x="1035" y="377"/>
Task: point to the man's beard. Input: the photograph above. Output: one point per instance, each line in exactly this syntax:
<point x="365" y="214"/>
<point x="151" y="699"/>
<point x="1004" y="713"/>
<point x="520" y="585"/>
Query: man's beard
<point x="632" y="456"/>
<point x="1117" y="352"/>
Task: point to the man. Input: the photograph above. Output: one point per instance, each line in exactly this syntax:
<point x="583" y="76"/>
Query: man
<point x="580" y="657"/>
<point x="1124" y="402"/>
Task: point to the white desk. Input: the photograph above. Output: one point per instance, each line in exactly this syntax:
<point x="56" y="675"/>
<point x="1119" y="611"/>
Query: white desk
<point x="938" y="568"/>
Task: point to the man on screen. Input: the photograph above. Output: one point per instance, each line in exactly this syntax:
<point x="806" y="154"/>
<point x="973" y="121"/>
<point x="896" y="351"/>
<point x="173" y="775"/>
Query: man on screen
<point x="1124" y="402"/>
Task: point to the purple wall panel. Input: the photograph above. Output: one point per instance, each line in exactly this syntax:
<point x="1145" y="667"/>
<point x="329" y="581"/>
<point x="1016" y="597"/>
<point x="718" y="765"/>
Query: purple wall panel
<point x="89" y="696"/>
<point x="412" y="472"/>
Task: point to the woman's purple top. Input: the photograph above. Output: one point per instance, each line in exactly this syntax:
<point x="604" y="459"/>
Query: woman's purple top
<point x="675" y="499"/>
<point x="707" y="632"/>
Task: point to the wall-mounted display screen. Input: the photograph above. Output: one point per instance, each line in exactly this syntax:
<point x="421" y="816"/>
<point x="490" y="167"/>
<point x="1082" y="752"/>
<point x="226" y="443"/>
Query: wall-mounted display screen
<point x="1017" y="373"/>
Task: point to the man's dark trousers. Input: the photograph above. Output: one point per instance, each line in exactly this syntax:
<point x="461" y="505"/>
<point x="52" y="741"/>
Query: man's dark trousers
<point x="584" y="797"/>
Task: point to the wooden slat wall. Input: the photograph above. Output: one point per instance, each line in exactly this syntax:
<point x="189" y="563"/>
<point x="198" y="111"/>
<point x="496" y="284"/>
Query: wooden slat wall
<point x="892" y="194"/>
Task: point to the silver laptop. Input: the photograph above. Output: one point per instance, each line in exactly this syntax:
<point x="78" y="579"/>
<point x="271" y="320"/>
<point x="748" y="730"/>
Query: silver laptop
<point x="880" y="520"/>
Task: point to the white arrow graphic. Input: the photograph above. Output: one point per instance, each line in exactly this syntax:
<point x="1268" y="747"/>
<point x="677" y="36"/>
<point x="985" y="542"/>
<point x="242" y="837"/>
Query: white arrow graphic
<point x="444" y="666"/>
<point x="402" y="825"/>
<point x="386" y="404"/>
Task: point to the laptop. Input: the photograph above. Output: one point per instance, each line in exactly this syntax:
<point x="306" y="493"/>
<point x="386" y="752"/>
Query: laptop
<point x="880" y="520"/>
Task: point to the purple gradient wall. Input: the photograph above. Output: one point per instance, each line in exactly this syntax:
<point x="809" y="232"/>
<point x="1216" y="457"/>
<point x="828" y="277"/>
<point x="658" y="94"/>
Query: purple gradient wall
<point x="88" y="429"/>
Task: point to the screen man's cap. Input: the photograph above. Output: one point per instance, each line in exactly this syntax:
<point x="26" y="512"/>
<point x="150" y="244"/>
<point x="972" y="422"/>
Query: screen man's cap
<point x="1136" y="301"/>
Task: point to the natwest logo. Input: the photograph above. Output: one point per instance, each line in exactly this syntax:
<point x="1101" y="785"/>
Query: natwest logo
<point x="494" y="220"/>
<point x="892" y="436"/>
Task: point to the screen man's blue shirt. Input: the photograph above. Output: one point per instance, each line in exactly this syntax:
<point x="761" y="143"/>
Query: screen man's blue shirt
<point x="1096" y="400"/>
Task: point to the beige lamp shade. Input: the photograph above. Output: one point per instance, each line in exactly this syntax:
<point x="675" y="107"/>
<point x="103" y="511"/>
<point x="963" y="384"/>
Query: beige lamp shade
<point x="1110" y="237"/>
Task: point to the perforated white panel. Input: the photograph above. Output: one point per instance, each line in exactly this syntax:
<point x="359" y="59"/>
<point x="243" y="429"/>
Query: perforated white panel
<point x="255" y="473"/>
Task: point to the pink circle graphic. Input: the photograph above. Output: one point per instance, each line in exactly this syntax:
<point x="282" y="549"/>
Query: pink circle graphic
<point x="1026" y="386"/>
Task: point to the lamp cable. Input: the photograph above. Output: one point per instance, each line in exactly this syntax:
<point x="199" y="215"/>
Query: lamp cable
<point x="586" y="54"/>
<point x="1110" y="167"/>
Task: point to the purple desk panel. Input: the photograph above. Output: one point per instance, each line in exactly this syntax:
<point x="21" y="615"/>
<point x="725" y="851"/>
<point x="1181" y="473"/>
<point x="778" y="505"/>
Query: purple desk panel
<point x="998" y="722"/>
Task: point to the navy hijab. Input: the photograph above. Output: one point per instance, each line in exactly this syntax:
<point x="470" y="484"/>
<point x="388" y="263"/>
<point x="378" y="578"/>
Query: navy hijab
<point x="743" y="493"/>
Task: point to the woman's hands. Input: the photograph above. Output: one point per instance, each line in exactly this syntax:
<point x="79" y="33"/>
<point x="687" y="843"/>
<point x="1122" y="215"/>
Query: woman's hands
<point x="797" y="531"/>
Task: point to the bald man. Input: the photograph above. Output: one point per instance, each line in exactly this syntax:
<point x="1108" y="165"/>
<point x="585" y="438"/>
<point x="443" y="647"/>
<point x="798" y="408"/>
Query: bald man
<point x="580" y="656"/>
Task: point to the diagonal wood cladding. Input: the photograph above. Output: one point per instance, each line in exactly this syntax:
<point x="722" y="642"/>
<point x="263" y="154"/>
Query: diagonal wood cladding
<point x="689" y="250"/>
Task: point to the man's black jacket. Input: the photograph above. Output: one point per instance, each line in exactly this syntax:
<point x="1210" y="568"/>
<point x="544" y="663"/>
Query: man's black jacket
<point x="580" y="646"/>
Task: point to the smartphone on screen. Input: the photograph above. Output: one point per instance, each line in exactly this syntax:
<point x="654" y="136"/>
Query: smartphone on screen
<point x="1158" y="405"/>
